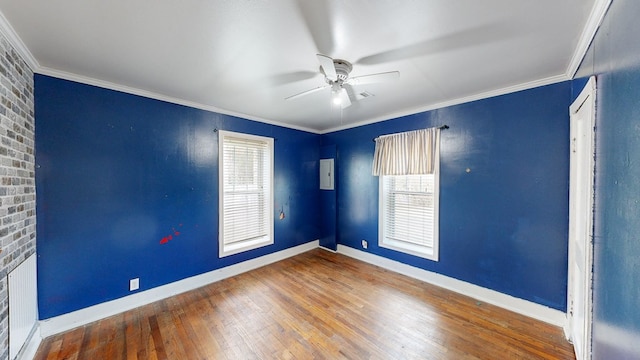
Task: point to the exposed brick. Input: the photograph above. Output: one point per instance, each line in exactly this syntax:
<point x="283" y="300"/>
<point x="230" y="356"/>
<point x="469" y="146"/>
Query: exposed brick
<point x="17" y="164"/>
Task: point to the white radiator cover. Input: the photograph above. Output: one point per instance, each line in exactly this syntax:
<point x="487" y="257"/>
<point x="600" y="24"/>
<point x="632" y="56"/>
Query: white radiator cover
<point x="23" y="304"/>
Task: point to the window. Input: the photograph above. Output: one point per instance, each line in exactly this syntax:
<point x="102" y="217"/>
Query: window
<point x="408" y="166"/>
<point x="246" y="192"/>
<point x="409" y="214"/>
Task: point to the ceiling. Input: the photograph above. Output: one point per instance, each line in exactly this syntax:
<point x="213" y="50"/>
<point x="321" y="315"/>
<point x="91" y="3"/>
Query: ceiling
<point x="244" y="57"/>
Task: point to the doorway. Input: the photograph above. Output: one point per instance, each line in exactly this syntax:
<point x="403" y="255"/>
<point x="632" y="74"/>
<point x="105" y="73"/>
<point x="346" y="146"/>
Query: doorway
<point x="581" y="193"/>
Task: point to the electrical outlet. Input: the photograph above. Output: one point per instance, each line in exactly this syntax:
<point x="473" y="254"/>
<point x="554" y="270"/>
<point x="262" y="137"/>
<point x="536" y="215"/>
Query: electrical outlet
<point x="134" y="284"/>
<point x="364" y="244"/>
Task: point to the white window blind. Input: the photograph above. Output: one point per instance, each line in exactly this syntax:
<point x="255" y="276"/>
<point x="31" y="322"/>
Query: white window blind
<point x="246" y="172"/>
<point x="409" y="209"/>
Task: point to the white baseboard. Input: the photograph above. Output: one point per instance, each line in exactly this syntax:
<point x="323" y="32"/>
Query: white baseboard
<point x="520" y="306"/>
<point x="327" y="249"/>
<point x="84" y="316"/>
<point x="29" y="350"/>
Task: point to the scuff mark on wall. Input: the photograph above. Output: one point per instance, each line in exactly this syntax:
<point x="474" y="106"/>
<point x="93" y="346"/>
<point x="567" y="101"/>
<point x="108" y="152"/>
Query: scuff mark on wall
<point x="169" y="237"/>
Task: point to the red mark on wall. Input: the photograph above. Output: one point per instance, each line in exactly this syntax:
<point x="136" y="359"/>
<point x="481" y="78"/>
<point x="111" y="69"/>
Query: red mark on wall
<point x="169" y="237"/>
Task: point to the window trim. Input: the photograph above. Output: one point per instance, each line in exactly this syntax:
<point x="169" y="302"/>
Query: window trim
<point x="404" y="247"/>
<point x="239" y="247"/>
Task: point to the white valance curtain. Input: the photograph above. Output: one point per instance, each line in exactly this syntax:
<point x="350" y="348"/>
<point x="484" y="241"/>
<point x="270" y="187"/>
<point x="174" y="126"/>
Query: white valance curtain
<point x="407" y="153"/>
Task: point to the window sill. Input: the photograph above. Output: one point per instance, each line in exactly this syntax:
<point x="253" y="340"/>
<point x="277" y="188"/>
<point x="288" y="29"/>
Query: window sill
<point x="411" y="249"/>
<point x="236" y="248"/>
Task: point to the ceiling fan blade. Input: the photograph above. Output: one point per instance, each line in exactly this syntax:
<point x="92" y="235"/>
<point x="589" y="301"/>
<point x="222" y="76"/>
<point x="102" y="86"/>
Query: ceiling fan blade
<point x="457" y="40"/>
<point x="287" y="78"/>
<point x="345" y="101"/>
<point x="317" y="17"/>
<point x="374" y="78"/>
<point x="306" y="92"/>
<point x="328" y="67"/>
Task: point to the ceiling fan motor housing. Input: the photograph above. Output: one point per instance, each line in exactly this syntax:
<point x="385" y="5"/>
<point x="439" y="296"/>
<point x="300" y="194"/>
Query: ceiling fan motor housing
<point x="343" y="68"/>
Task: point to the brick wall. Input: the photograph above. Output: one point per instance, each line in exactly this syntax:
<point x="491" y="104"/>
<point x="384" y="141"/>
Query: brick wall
<point x="17" y="180"/>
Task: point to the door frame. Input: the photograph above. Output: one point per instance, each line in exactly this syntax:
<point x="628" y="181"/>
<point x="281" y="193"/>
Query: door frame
<point x="587" y="98"/>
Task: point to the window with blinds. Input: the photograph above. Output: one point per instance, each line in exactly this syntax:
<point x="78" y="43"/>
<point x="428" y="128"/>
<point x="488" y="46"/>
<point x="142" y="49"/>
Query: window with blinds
<point x="409" y="214"/>
<point x="246" y="192"/>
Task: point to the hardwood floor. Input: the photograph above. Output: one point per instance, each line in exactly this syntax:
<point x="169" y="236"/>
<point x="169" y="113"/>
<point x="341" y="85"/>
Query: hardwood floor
<point x="315" y="305"/>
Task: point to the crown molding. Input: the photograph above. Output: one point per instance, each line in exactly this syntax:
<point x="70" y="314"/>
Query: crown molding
<point x="156" y="96"/>
<point x="16" y="42"/>
<point x="599" y="10"/>
<point x="12" y="37"/>
<point x="479" y="96"/>
<point x="596" y="17"/>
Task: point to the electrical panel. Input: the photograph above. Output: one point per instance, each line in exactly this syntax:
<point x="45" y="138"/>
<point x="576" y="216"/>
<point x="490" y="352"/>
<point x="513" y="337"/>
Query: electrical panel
<point x="326" y="174"/>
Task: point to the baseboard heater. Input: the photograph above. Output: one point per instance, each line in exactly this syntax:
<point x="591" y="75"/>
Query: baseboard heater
<point x="23" y="304"/>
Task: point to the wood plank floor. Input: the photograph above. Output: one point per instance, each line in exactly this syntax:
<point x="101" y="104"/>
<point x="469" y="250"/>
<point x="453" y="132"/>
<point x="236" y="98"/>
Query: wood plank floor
<point x="317" y="305"/>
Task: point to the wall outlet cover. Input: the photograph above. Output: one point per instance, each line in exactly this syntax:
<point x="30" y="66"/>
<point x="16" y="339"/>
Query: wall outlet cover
<point x="134" y="284"/>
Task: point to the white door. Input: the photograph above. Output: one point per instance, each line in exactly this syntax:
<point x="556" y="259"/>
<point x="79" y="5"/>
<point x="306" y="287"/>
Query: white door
<point x="581" y="178"/>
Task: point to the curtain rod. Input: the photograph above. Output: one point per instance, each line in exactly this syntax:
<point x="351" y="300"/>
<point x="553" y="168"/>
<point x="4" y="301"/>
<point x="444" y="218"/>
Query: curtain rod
<point x="441" y="127"/>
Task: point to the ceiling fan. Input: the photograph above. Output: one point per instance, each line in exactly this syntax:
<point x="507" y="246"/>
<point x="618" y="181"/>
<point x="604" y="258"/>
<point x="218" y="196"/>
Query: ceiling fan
<point x="336" y="75"/>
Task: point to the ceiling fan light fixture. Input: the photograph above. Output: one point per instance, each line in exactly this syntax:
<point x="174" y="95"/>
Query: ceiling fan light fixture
<point x="337" y="100"/>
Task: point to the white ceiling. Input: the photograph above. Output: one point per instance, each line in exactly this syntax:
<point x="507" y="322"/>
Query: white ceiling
<point x="244" y="57"/>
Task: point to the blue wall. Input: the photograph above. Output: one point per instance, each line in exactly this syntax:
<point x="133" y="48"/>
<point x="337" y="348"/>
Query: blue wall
<point x="117" y="173"/>
<point x="328" y="206"/>
<point x="504" y="224"/>
<point x="614" y="56"/>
